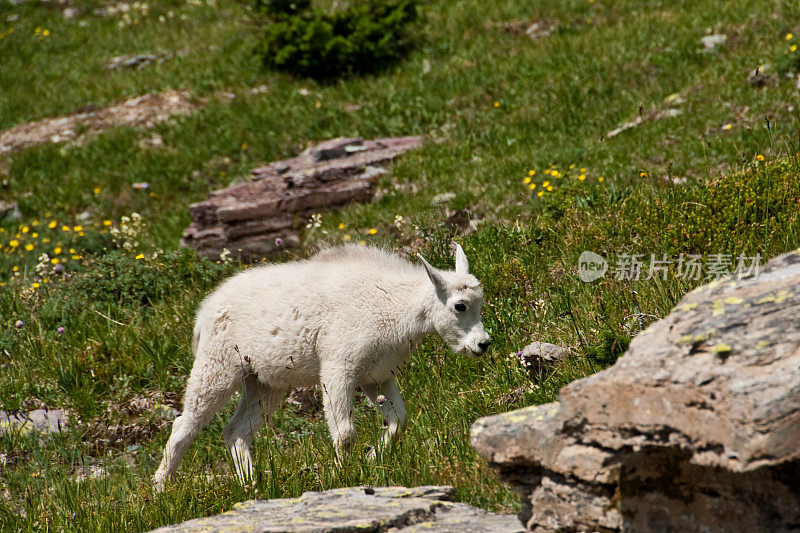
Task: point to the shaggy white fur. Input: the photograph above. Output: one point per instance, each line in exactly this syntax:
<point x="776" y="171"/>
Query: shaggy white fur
<point x="345" y="318"/>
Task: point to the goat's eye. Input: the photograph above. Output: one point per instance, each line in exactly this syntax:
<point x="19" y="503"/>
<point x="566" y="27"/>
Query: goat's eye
<point x="461" y="308"/>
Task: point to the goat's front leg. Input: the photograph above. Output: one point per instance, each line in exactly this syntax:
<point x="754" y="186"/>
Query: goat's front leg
<point x="391" y="406"/>
<point x="338" y="389"/>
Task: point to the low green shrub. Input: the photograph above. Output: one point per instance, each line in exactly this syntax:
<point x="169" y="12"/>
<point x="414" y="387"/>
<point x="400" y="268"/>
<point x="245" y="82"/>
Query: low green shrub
<point x="740" y="212"/>
<point x="360" y="38"/>
<point x="611" y="346"/>
<point x="120" y="282"/>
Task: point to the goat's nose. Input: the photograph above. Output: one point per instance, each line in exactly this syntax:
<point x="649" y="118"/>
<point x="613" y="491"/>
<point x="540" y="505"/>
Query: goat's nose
<point x="484" y="345"/>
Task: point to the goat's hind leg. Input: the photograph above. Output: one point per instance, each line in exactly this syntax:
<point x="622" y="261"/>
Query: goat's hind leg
<point x="256" y="405"/>
<point x="205" y="396"/>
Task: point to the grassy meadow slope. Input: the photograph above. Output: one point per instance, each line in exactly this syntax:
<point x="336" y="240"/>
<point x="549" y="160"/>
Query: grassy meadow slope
<point x="711" y="169"/>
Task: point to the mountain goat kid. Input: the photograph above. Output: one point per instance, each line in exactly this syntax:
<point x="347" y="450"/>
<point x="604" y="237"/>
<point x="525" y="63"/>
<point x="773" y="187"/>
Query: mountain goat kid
<point x="343" y="319"/>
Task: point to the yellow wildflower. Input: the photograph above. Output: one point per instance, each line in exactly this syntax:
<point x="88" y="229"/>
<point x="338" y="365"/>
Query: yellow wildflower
<point x="35" y="285"/>
<point x="25" y="229"/>
<point x="571" y="167"/>
<point x="97" y="190"/>
<point x="600" y="179"/>
<point x="759" y="157"/>
<point x="583" y="171"/>
<point x="15" y="268"/>
<point x="582" y="177"/>
<point x="55" y="260"/>
<point x="531" y="173"/>
<point x="76" y="257"/>
<point x="793" y="48"/>
<point x="106" y="222"/>
<point x="29" y="247"/>
<point x="341" y="225"/>
<point x="52" y="224"/>
<point x="726" y="127"/>
<point x="642" y="174"/>
<point x="244" y="146"/>
<point x="555" y="174"/>
<point x="372" y="231"/>
<point x="346" y="238"/>
<point x="140" y="256"/>
<point x="46" y="33"/>
<point x="527" y="180"/>
<point x="789" y="36"/>
<point x="77" y="228"/>
<point x="72" y="250"/>
<point x="34" y="235"/>
<point x="540" y="194"/>
<point x="550" y="189"/>
<point x="547" y="171"/>
<point x="14" y="243"/>
<point x="64" y="228"/>
<point x="545" y="184"/>
<point x="497" y="104"/>
<point x="81" y="234"/>
<point x="57" y="250"/>
<point x="532" y="186"/>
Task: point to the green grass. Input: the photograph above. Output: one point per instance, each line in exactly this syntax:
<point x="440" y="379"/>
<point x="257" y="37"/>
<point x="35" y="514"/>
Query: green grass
<point x="128" y="321"/>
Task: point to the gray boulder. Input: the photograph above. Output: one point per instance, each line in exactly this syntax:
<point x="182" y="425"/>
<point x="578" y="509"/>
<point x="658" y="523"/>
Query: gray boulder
<point x="540" y="357"/>
<point x="36" y="421"/>
<point x="697" y="426"/>
<point x="355" y="509"/>
<point x="9" y="211"/>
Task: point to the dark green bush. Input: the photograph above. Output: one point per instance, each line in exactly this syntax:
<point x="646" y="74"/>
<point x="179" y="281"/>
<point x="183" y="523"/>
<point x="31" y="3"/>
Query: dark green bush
<point x="361" y="38"/>
<point x="606" y="352"/>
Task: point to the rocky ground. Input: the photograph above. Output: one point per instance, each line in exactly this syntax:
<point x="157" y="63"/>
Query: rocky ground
<point x="362" y="509"/>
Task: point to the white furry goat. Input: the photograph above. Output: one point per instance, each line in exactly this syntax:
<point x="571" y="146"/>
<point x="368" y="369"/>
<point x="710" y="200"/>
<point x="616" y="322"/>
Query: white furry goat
<point x="345" y="318"/>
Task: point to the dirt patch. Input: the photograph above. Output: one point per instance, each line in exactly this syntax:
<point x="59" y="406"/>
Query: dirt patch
<point x="145" y="111"/>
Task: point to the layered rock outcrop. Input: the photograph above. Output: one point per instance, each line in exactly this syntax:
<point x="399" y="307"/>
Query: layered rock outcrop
<point x="696" y="428"/>
<point x="355" y="509"/>
<point x="268" y="212"/>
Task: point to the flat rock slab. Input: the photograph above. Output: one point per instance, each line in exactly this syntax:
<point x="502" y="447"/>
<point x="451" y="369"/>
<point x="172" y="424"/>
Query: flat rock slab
<point x="269" y="212"/>
<point x="39" y="421"/>
<point x="145" y="111"/>
<point x="695" y="428"/>
<point x="355" y="509"/>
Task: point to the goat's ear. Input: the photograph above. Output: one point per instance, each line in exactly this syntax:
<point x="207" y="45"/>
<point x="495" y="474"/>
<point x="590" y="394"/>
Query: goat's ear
<point x="436" y="276"/>
<point x="462" y="264"/>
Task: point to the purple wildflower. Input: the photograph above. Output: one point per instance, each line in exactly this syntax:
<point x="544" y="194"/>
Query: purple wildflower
<point x="60" y="330"/>
<point x="381" y="399"/>
<point x="19" y="324"/>
<point x="59" y="268"/>
<point x="278" y="241"/>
